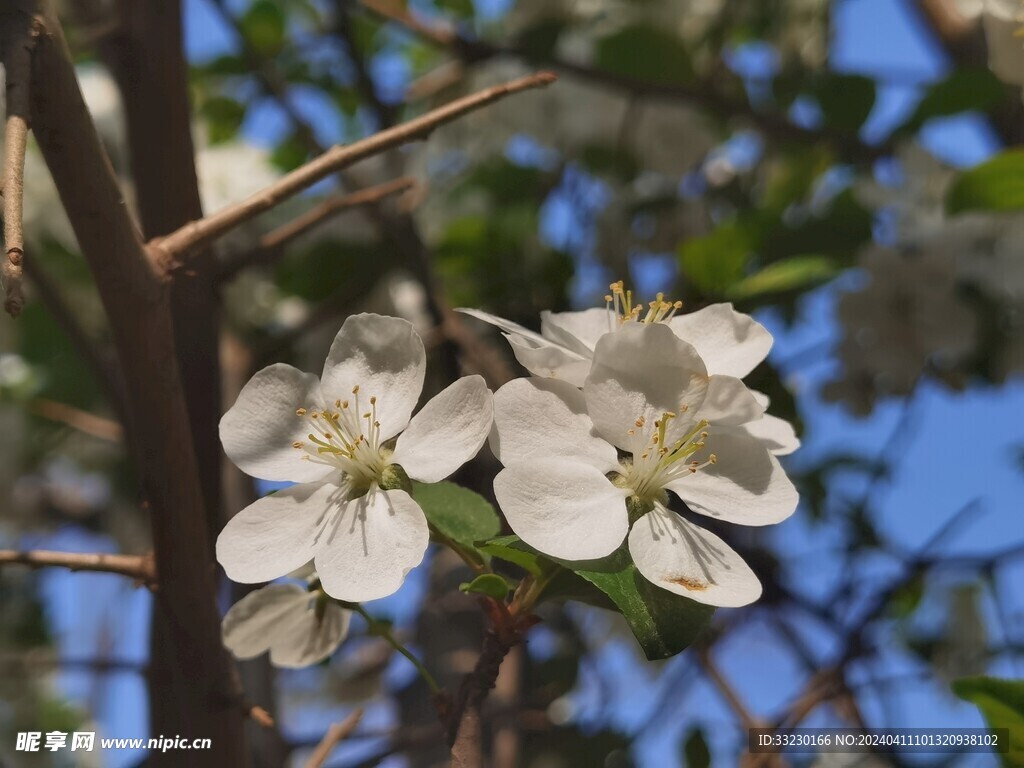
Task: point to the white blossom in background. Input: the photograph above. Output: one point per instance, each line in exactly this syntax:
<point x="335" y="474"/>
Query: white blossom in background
<point x="300" y="626"/>
<point x="578" y="464"/>
<point x="231" y="171"/>
<point x="907" y="320"/>
<point x="1002" y="20"/>
<point x="730" y="344"/>
<point x="335" y="436"/>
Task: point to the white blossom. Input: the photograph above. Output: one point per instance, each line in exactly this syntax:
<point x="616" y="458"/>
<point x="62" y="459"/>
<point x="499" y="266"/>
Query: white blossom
<point x="579" y="464"/>
<point x="299" y="626"/>
<point x="730" y="344"/>
<point x="347" y="439"/>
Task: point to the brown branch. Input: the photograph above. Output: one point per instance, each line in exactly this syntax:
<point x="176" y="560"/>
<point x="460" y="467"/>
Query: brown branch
<point x="17" y="58"/>
<point x="137" y="304"/>
<point x="261" y="717"/>
<point x="727" y="691"/>
<point x="83" y="421"/>
<point x="335" y="735"/>
<point x="465" y="732"/>
<point x="440" y="35"/>
<point x="171" y="250"/>
<point x="271" y="243"/>
<point x="141" y="568"/>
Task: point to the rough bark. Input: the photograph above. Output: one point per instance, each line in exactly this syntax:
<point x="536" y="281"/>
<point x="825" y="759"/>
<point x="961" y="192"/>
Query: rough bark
<point x="195" y="699"/>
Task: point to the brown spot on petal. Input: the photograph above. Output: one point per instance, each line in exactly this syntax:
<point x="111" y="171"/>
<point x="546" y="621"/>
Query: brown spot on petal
<point x="687" y="583"/>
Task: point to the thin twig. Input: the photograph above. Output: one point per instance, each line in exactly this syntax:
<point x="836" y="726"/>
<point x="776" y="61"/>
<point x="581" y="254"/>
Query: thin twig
<point x="141" y="568"/>
<point x="18" y="68"/>
<point x="170" y="251"/>
<point x="271" y="243"/>
<point x="260" y="716"/>
<point x="83" y="421"/>
<point x="336" y="734"/>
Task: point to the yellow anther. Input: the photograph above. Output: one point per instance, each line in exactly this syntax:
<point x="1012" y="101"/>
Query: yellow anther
<point x="713" y="458"/>
<point x="300" y="411"/>
<point x="639" y="422"/>
<point x="373" y="399"/>
<point x="337" y="403"/>
<point x="355" y="390"/>
<point x="296" y="444"/>
<point x="315" y="415"/>
<point x="344" y="403"/>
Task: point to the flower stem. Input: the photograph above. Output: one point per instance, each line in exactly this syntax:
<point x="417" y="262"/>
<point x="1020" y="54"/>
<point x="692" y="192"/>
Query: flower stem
<point x="380" y="629"/>
<point x="469" y="557"/>
<point x="534" y="588"/>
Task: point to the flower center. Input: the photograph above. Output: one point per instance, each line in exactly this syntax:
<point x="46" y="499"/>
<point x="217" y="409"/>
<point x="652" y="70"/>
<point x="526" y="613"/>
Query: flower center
<point x="347" y="438"/>
<point x="658" y="460"/>
<point x="621" y="307"/>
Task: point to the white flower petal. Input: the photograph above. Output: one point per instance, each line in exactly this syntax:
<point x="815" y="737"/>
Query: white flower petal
<point x="542" y="418"/>
<point x="563" y="508"/>
<point x="384" y="357"/>
<point x="775" y="434"/>
<point x="367" y="551"/>
<point x="730" y="342"/>
<point x="259" y="429"/>
<point x="309" y="640"/>
<point x="447" y="432"/>
<point x="747" y="485"/>
<point x="643" y="371"/>
<point x="276" y="534"/>
<point x="548" y="360"/>
<point x="683" y="558"/>
<point x="506" y="325"/>
<point x="579" y="331"/>
<point x="728" y="401"/>
<point x="256" y="621"/>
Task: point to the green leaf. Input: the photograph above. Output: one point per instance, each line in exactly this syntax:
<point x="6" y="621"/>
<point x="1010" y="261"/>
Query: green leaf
<point x="458" y="513"/>
<point x="715" y="262"/>
<point x="995" y="185"/>
<point x="1002" y="705"/>
<point x="663" y="622"/>
<point x="845" y="100"/>
<point x="646" y="53"/>
<point x="490" y="584"/>
<point x="538" y="41"/>
<point x="462" y="8"/>
<point x="513" y="550"/>
<point x="290" y="153"/>
<point x="796" y="273"/>
<point x="962" y="91"/>
<point x="223" y="117"/>
<point x="263" y="26"/>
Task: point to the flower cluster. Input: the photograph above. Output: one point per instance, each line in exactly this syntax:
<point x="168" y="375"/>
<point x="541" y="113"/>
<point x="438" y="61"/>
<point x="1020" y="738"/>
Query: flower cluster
<point x="350" y="443"/>
<point x="626" y="405"/>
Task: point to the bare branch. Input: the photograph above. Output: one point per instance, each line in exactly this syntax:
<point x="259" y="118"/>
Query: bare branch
<point x="83" y="421"/>
<point x="141" y="568"/>
<point x="171" y="250"/>
<point x="18" y="67"/>
<point x="336" y="734"/>
<point x="272" y="242"/>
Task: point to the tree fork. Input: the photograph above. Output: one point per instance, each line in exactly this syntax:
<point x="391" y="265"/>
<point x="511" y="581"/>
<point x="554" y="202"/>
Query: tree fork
<point x="199" y="689"/>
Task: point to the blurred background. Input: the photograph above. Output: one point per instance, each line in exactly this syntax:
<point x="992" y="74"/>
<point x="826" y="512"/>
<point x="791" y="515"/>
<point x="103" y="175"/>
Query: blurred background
<point x="845" y="171"/>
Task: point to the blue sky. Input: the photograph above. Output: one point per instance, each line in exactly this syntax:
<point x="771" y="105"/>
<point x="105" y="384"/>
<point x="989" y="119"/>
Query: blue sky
<point x="963" y="450"/>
